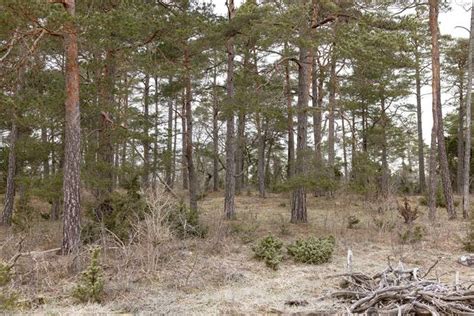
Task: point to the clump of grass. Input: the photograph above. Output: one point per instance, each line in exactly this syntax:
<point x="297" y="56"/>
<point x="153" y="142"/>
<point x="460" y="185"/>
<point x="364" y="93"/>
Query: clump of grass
<point x="312" y="250"/>
<point x="91" y="285"/>
<point x="269" y="249"/>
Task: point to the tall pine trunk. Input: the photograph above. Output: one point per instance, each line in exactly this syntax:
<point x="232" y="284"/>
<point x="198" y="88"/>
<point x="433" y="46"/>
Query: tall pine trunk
<point x="298" y="199"/>
<point x="291" y="136"/>
<point x="229" y="200"/>
<point x="189" y="134"/>
<point x="72" y="149"/>
<point x="421" y="155"/>
<point x="146" y="132"/>
<point x="169" y="145"/>
<point x="460" y="141"/>
<point x="331" y="116"/>
<point x="215" y="135"/>
<point x="184" y="166"/>
<point x="436" y="94"/>
<point x="260" y="156"/>
<point x="317" y="115"/>
<point x="468" y="134"/>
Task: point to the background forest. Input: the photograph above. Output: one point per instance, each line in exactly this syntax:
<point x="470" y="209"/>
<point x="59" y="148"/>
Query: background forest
<point x="155" y="137"/>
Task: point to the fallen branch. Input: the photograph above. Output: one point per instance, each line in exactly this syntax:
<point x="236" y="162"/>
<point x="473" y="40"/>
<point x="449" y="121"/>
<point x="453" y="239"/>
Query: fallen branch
<point x="403" y="291"/>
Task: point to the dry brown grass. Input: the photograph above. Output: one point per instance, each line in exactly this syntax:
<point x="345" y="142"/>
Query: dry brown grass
<point x="218" y="274"/>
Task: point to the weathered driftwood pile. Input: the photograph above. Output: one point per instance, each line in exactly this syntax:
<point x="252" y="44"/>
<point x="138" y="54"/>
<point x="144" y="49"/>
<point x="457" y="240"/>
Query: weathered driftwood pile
<point x="399" y="291"/>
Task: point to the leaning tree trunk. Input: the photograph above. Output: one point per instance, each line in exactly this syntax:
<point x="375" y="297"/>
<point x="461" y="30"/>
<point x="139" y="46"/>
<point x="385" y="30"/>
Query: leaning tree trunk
<point x="189" y="135"/>
<point x="229" y="200"/>
<point x="468" y="134"/>
<point x="436" y="92"/>
<point x="72" y="149"/>
<point x="11" y="172"/>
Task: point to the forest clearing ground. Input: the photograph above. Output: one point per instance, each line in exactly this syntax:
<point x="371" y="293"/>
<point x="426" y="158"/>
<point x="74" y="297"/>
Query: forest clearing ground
<point x="218" y="274"/>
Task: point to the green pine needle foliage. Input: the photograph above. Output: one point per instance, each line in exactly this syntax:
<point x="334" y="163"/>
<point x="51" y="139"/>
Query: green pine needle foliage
<point x="269" y="249"/>
<point x="312" y="250"/>
<point x="91" y="285"/>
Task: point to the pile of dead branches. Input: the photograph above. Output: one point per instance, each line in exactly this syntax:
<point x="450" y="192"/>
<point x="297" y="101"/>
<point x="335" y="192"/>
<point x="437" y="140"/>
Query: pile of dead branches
<point x="402" y="291"/>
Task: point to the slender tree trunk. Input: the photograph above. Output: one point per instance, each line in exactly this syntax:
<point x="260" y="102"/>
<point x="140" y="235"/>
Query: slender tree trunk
<point x="421" y="155"/>
<point x="229" y="203"/>
<point x="169" y="144"/>
<point x="385" y="170"/>
<point x="184" y="167"/>
<point x="460" y="142"/>
<point x="215" y="135"/>
<point x="72" y="151"/>
<point x="44" y="140"/>
<point x="175" y="143"/>
<point x="239" y="155"/>
<point x="146" y="132"/>
<point x="189" y="135"/>
<point x="156" y="116"/>
<point x="260" y="156"/>
<point x="105" y="151"/>
<point x="11" y="173"/>
<point x="344" y="143"/>
<point x="432" y="171"/>
<point x="468" y="134"/>
<point x="317" y="116"/>
<point x="331" y="116"/>
<point x="436" y="91"/>
<point x="291" y="136"/>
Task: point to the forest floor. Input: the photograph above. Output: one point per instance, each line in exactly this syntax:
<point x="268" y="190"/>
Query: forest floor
<point x="219" y="275"/>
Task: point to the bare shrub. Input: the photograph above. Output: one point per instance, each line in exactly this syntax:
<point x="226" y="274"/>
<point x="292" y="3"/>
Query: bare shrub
<point x="409" y="213"/>
<point x="153" y="230"/>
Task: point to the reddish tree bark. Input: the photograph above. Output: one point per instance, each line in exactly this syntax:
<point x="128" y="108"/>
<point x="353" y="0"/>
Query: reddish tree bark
<point x="72" y="149"/>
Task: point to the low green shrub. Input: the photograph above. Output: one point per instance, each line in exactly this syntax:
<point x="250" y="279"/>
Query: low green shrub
<point x="91" y="284"/>
<point x="312" y="250"/>
<point x="269" y="249"/>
